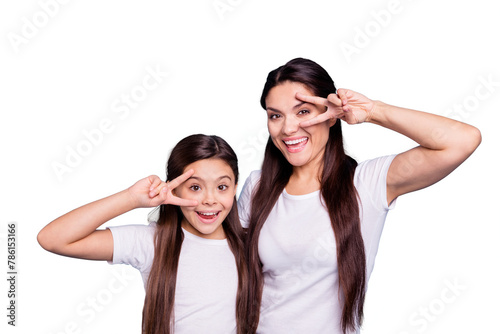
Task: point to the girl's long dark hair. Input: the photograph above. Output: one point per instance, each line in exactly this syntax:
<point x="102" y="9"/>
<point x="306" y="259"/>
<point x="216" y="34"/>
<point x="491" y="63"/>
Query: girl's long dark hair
<point x="337" y="190"/>
<point x="160" y="291"/>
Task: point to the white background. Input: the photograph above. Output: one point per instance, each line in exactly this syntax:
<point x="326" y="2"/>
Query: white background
<point x="66" y="68"/>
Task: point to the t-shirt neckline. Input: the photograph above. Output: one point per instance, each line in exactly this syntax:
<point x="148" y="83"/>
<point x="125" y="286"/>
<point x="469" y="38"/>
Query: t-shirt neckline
<point x="300" y="197"/>
<point x="191" y="236"/>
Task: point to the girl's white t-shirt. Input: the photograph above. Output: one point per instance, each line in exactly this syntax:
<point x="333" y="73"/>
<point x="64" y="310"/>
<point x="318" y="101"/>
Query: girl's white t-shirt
<point x="207" y="277"/>
<point x="298" y="251"/>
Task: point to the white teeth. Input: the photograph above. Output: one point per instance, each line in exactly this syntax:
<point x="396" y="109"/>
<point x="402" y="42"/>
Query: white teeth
<point x="296" y="141"/>
<point x="208" y="213"/>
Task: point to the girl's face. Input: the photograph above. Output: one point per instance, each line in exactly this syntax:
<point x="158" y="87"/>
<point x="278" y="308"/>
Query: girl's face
<point x="300" y="146"/>
<point x="213" y="186"/>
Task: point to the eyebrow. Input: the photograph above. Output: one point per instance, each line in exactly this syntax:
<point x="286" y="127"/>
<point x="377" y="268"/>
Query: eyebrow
<point x="298" y="105"/>
<point x="218" y="179"/>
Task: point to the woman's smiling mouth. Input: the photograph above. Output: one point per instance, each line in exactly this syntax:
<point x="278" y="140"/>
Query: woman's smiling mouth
<point x="294" y="145"/>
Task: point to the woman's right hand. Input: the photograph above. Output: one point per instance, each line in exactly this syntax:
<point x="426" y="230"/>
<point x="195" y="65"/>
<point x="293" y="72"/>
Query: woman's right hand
<point x="152" y="191"/>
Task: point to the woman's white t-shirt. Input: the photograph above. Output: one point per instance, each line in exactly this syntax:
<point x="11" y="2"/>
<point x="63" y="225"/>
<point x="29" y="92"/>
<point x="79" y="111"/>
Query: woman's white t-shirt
<point x="298" y="251"/>
<point x="207" y="277"/>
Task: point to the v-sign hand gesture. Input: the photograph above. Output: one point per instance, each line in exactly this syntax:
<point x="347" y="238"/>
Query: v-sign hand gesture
<point x="348" y="105"/>
<point x="152" y="191"/>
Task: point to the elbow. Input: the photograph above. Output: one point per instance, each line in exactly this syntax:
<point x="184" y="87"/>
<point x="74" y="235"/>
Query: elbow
<point x="42" y="240"/>
<point x="473" y="140"/>
<point x="464" y="144"/>
<point x="469" y="141"/>
<point x="46" y="241"/>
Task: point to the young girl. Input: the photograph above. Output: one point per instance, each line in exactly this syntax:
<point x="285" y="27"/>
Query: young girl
<point x="191" y="257"/>
<point x="314" y="215"/>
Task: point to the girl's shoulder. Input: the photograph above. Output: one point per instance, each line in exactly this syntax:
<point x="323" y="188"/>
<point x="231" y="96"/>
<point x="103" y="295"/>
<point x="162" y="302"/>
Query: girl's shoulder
<point x="254" y="176"/>
<point x="136" y="232"/>
<point x="250" y="183"/>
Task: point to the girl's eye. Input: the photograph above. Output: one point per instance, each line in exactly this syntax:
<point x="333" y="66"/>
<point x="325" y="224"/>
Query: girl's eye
<point x="304" y="112"/>
<point x="222" y="187"/>
<point x="274" y="116"/>
<point x="194" y="187"/>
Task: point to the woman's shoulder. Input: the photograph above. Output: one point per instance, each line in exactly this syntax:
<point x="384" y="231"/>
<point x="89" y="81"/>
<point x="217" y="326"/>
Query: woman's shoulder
<point x="369" y="168"/>
<point x="370" y="180"/>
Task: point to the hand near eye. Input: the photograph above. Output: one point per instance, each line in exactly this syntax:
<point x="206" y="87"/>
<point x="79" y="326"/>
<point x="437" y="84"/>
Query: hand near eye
<point x="348" y="105"/>
<point x="152" y="191"/>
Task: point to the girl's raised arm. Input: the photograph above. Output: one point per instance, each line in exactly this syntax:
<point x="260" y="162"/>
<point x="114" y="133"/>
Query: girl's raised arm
<point x="75" y="234"/>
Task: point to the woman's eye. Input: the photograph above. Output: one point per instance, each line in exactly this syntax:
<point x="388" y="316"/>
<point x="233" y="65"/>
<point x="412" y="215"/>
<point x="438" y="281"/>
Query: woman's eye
<point x="194" y="187"/>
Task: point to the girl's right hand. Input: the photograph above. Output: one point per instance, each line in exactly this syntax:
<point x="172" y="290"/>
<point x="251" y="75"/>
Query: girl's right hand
<point x="152" y="191"/>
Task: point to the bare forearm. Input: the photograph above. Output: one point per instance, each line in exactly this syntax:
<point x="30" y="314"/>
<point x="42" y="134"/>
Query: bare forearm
<point x="428" y="130"/>
<point x="444" y="145"/>
<point x="81" y="222"/>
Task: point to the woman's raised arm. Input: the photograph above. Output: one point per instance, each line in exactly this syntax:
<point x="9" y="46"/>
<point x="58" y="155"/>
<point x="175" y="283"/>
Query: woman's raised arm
<point x="443" y="143"/>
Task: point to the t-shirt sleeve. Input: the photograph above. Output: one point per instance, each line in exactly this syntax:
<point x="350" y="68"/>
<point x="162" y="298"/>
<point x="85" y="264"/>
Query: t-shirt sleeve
<point x="245" y="198"/>
<point x="371" y="179"/>
<point x="133" y="245"/>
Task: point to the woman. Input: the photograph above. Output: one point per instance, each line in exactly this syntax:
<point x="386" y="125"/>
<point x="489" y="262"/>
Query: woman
<point x="191" y="257"/>
<point x="314" y="216"/>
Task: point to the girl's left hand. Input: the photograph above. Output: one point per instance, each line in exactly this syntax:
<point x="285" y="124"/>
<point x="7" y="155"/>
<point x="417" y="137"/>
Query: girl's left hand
<point x="348" y="105"/>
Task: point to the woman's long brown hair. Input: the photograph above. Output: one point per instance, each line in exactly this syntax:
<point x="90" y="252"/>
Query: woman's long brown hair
<point x="160" y="291"/>
<point x="337" y="190"/>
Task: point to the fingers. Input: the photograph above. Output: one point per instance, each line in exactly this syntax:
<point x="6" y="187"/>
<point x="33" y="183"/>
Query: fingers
<point x="155" y="185"/>
<point x="181" y="179"/>
<point x="182" y="202"/>
<point x="318" y="119"/>
<point x="342" y="94"/>
<point x="336" y="100"/>
<point x="164" y="191"/>
<point x="318" y="101"/>
<point x="312" y="99"/>
<point x="177" y="182"/>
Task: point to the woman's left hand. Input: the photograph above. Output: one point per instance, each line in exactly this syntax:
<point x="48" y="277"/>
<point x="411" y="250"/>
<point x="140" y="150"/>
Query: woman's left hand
<point x="348" y="105"/>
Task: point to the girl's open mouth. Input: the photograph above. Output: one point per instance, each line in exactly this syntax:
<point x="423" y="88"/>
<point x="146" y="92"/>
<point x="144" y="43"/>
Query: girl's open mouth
<point x="208" y="217"/>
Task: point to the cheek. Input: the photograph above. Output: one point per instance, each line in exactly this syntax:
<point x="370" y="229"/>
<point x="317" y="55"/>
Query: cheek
<point x="322" y="131"/>
<point x="274" y="131"/>
<point x="274" y="127"/>
<point x="185" y="193"/>
<point x="227" y="201"/>
<point x="270" y="129"/>
<point x="185" y="211"/>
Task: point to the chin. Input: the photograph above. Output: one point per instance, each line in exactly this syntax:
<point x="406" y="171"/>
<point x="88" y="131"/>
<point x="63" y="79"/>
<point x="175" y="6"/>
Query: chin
<point x="296" y="160"/>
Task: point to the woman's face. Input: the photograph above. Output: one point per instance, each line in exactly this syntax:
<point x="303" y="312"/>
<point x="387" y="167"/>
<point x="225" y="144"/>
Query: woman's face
<point x="301" y="146"/>
<point x="213" y="186"/>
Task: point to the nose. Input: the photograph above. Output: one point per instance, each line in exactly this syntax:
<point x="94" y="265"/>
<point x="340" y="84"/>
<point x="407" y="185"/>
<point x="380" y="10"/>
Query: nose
<point x="209" y="198"/>
<point x="290" y="126"/>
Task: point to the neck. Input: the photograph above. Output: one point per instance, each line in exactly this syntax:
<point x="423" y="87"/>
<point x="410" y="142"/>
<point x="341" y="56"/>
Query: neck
<point x="305" y="179"/>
